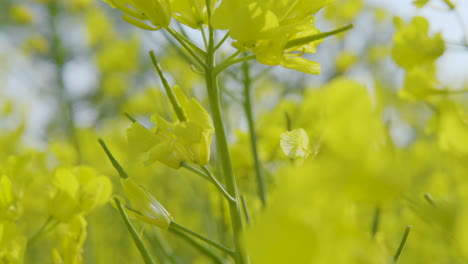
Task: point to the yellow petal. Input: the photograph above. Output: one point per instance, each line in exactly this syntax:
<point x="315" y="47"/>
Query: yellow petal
<point x="295" y="144"/>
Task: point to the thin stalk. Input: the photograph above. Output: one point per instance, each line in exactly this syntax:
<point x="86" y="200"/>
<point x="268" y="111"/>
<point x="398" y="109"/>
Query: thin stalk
<point x="376" y="221"/>
<point x="180" y="228"/>
<point x="221" y="140"/>
<point x="182" y="30"/>
<point x="205" y="250"/>
<point x="233" y="56"/>
<point x="131" y="118"/>
<point x="42" y="230"/>
<point x="170" y="93"/>
<point x="148" y="259"/>
<point x="228" y="63"/>
<point x="262" y="192"/>
<point x="449" y="4"/>
<point x="429" y="199"/>
<point x="203" y="33"/>
<point x="288" y="121"/>
<point x="195" y="170"/>
<point x="218" y="185"/>
<point x="123" y="174"/>
<point x="181" y="51"/>
<point x="402" y="244"/>
<point x="304" y="40"/>
<point x="156" y="239"/>
<point x="188" y="47"/>
<point x="246" y="211"/>
<point x="220" y="43"/>
<point x="183" y="38"/>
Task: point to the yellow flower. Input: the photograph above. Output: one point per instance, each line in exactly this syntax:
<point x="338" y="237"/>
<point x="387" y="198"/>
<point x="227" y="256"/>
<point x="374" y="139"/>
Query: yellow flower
<point x="420" y="84"/>
<point x="295" y="144"/>
<point x="451" y="124"/>
<point x="141" y="12"/>
<point x="192" y="13"/>
<point x="345" y="60"/>
<point x="172" y="143"/>
<point x="412" y="44"/>
<point x="79" y="191"/>
<point x="144" y="206"/>
<point x="73" y="237"/>
<point x="21" y="14"/>
<point x="266" y="27"/>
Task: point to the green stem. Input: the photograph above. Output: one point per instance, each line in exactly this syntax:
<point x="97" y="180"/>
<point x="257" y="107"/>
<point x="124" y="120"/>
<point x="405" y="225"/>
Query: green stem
<point x="199" y="246"/>
<point x="161" y="245"/>
<point x="449" y="4"/>
<point x="246" y="210"/>
<point x="189" y="167"/>
<point x="253" y="135"/>
<point x="288" y="121"/>
<point x="233" y="56"/>
<point x="221" y="140"/>
<point x="203" y="33"/>
<point x="180" y="228"/>
<point x="183" y="38"/>
<point x="429" y="199"/>
<point x="135" y="236"/>
<point x="218" y="185"/>
<point x="123" y="174"/>
<point x="170" y="93"/>
<point x="402" y="244"/>
<point x="181" y="51"/>
<point x="305" y="40"/>
<point x="375" y="222"/>
<point x="131" y="118"/>
<point x="42" y="230"/>
<point x="220" y="43"/>
<point x="227" y="63"/>
<point x="191" y="48"/>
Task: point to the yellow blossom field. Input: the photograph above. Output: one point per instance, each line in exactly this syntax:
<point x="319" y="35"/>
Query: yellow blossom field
<point x="233" y="131"/>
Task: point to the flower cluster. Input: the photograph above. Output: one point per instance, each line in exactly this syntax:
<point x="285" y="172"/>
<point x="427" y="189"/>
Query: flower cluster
<point x="172" y="143"/>
<point x="157" y="14"/>
<point x="267" y="28"/>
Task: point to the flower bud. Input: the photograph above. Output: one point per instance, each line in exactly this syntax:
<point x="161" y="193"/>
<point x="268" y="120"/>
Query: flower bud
<point x="144" y="206"/>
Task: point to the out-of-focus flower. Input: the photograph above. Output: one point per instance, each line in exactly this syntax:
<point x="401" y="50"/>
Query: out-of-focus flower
<point x="12" y="243"/>
<point x="37" y="44"/>
<point x="295" y="144"/>
<point x="420" y="3"/>
<point x="451" y="125"/>
<point x="345" y="60"/>
<point x="73" y="237"/>
<point x="21" y="14"/>
<point x="141" y="12"/>
<point x="78" y="5"/>
<point x="6" y="197"/>
<point x="120" y="56"/>
<point x="343" y="11"/>
<point x="144" y="206"/>
<point x="100" y="29"/>
<point x="413" y="46"/>
<point x="79" y="191"/>
<point x="420" y="84"/>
